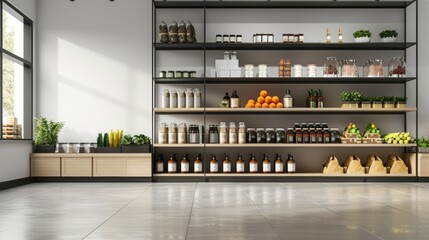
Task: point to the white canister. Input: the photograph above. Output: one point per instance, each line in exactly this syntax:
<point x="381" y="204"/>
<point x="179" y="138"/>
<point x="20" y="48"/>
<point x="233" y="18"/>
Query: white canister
<point x="181" y="98"/>
<point x="311" y="70"/>
<point x="189" y="98"/>
<point x="173" y="99"/>
<point x="297" y="70"/>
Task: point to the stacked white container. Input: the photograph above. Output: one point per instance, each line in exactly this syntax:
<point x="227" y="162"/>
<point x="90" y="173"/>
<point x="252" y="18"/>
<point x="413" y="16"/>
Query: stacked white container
<point x="297" y="68"/>
<point x="248" y="68"/>
<point x="262" y="71"/>
<point x="311" y="70"/>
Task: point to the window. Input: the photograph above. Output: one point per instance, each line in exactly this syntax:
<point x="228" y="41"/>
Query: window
<point x="17" y="74"/>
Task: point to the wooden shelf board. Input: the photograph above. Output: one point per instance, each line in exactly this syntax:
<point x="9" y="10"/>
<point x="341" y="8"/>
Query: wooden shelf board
<point x="86" y="155"/>
<point x="308" y="145"/>
<point x="178" y="145"/>
<point x="178" y="174"/>
<point x="302" y="175"/>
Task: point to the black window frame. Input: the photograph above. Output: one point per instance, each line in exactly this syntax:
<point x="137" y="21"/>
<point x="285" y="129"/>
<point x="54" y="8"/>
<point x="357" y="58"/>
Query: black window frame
<point x="28" y="68"/>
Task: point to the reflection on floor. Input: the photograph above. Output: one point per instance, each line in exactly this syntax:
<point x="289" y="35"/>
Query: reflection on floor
<point x="261" y="211"/>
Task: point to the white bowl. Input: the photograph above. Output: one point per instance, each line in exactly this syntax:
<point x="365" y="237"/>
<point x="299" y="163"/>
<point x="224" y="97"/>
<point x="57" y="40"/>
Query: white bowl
<point x="389" y="39"/>
<point x="362" y="39"/>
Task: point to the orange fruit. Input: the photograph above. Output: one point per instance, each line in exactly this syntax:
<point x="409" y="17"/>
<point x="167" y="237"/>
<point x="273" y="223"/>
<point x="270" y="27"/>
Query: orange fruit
<point x="251" y="101"/>
<point x="261" y="100"/>
<point x="268" y="99"/>
<point x="250" y="105"/>
<point x="258" y="105"/>
<point x="263" y="93"/>
<point x="273" y="105"/>
<point x="275" y="99"/>
<point x="265" y="105"/>
<point x="279" y="105"/>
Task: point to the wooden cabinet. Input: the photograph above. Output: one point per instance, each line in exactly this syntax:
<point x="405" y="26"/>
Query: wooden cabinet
<point x="422" y="163"/>
<point x="91" y="165"/>
<point x="76" y="167"/>
<point x="46" y="166"/>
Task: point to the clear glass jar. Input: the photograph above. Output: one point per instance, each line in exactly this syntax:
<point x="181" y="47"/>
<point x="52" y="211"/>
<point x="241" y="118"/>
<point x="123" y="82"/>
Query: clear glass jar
<point x="376" y="68"/>
<point x="69" y="148"/>
<point x="173" y="99"/>
<point x="226" y="55"/>
<point x="233" y="55"/>
<point x="233" y="136"/>
<point x="330" y="68"/>
<point x="271" y="135"/>
<point x="182" y="133"/>
<point x="241" y="133"/>
<point x="223" y="133"/>
<point x="197" y="98"/>
<point x="348" y="68"/>
<point x="397" y="67"/>
<point x="181" y="98"/>
<point x="163" y="133"/>
<point x="165" y="98"/>
<point x="172" y="133"/>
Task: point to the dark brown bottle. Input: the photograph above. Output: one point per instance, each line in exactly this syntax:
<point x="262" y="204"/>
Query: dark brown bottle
<point x="198" y="165"/>
<point x="319" y="135"/>
<point x="291" y="164"/>
<point x="290" y="136"/>
<point x="253" y="164"/>
<point x="279" y="165"/>
<point x="159" y="164"/>
<point x="214" y="165"/>
<point x="266" y="164"/>
<point x="184" y="164"/>
<point x="226" y="164"/>
<point x="240" y="164"/>
<point x="305" y="133"/>
<point x="172" y="164"/>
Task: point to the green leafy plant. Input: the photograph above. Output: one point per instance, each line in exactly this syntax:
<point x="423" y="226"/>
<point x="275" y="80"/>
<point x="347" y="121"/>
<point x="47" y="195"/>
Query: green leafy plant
<point x="135" y="140"/>
<point x="401" y="99"/>
<point x="46" y="132"/>
<point x="103" y="140"/>
<point x="345" y="96"/>
<point x="355" y="96"/>
<point x="422" y="142"/>
<point x="362" y="33"/>
<point x="388" y="99"/>
<point x="365" y="99"/>
<point x="377" y="99"/>
<point x="388" y="33"/>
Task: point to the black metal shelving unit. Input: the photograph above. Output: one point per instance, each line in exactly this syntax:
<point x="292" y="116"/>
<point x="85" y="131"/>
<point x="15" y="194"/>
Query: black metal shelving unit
<point x="204" y="46"/>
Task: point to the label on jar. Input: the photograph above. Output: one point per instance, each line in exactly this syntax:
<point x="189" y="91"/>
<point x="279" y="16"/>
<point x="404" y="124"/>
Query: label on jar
<point x="214" y="137"/>
<point x="160" y="167"/>
<point x="214" y="167"/>
<point x="181" y="102"/>
<point x="173" y="102"/>
<point x="227" y="167"/>
<point x="189" y="102"/>
<point x="240" y="167"/>
<point x="319" y="139"/>
<point x="306" y="139"/>
<point x="172" y="138"/>
<point x="163" y="138"/>
<point x="288" y="102"/>
<point x="327" y="138"/>
<point x="313" y="139"/>
<point x="223" y="138"/>
<point x="235" y="102"/>
<point x="291" y="167"/>
<point x="184" y="167"/>
<point x="172" y="167"/>
<point x="253" y="167"/>
<point x="198" y="167"/>
<point x="266" y="167"/>
<point x="232" y="138"/>
<point x="291" y="138"/>
<point x="279" y="167"/>
<point x="182" y="138"/>
<point x="166" y="102"/>
<point x="197" y="102"/>
<point x="242" y="138"/>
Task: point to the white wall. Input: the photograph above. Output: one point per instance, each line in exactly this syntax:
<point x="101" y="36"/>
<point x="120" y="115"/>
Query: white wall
<point x="423" y="68"/>
<point x="14" y="156"/>
<point x="95" y="70"/>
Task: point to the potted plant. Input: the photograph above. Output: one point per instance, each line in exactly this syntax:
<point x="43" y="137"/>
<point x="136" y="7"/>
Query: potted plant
<point x="362" y="36"/>
<point x="388" y="102"/>
<point x="388" y="35"/>
<point x="423" y="144"/>
<point x="109" y="142"/>
<point x="345" y="98"/>
<point x="401" y="102"/>
<point x="135" y="144"/>
<point x="365" y="102"/>
<point x="46" y="135"/>
<point x="377" y="102"/>
<point x="355" y="98"/>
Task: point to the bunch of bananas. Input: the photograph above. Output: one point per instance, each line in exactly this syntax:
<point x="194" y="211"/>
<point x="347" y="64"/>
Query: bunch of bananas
<point x="115" y="137"/>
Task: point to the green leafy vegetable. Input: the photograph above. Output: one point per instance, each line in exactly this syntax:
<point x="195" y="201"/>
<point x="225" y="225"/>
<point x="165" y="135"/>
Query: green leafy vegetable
<point x="46" y="132"/>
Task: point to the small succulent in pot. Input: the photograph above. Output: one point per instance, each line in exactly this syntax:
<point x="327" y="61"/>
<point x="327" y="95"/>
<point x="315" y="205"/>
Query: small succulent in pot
<point x="362" y="35"/>
<point x="401" y="102"/>
<point x="388" y="35"/>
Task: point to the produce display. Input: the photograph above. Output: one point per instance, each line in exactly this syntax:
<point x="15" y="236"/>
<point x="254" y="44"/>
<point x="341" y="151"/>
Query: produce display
<point x="398" y="138"/>
<point x="110" y="139"/>
<point x="351" y="134"/>
<point x="264" y="101"/>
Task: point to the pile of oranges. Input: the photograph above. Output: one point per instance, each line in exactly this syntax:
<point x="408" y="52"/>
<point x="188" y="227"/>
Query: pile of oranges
<point x="264" y="101"/>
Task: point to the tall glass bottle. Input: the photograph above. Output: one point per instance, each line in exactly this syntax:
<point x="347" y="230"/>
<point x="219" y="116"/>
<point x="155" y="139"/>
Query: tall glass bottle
<point x="214" y="166"/>
<point x="184" y="164"/>
<point x="240" y="164"/>
<point x="159" y="164"/>
<point x="253" y="164"/>
<point x="172" y="164"/>
<point x="198" y="165"/>
<point x="340" y="35"/>
<point x="266" y="164"/>
<point x="235" y="100"/>
<point x="291" y="164"/>
<point x="226" y="164"/>
<point x="328" y="36"/>
<point x="279" y="165"/>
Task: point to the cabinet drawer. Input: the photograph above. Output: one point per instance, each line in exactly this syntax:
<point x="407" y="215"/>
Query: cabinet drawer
<point x="76" y="167"/>
<point x="109" y="167"/>
<point x="138" y="167"/>
<point x="45" y="167"/>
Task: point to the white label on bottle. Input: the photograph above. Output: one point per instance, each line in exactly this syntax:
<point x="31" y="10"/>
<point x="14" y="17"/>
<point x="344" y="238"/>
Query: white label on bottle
<point x="253" y="167"/>
<point x="163" y="138"/>
<point x="172" y="138"/>
<point x="242" y="138"/>
<point x="279" y="167"/>
<point x="173" y="102"/>
<point x="160" y="167"/>
<point x="288" y="102"/>
<point x="223" y="138"/>
<point x="182" y="102"/>
<point x="291" y="167"/>
<point x="189" y="102"/>
<point x="198" y="167"/>
<point x="233" y="138"/>
<point x="240" y="167"/>
<point x="182" y="138"/>
<point x="184" y="167"/>
<point x="235" y="102"/>
<point x="227" y="167"/>
<point x="172" y="167"/>
<point x="266" y="167"/>
<point x="197" y="102"/>
<point x="214" y="167"/>
<point x="165" y="102"/>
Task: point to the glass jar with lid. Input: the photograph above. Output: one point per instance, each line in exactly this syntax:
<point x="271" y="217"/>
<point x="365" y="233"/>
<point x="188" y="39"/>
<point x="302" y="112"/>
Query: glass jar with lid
<point x="376" y="68"/>
<point x="261" y="135"/>
<point x="348" y="68"/>
<point x="397" y="67"/>
<point x="330" y="68"/>
<point x="163" y="133"/>
<point x="271" y="135"/>
<point x="280" y="135"/>
<point x="223" y="133"/>
<point x="251" y="135"/>
<point x="182" y="133"/>
<point x="172" y="133"/>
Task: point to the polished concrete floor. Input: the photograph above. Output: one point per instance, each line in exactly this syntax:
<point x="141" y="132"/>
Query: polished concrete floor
<point x="205" y="211"/>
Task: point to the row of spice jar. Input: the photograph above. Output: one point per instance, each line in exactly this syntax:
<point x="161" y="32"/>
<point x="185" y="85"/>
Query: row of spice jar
<point x="263" y="38"/>
<point x="229" y="38"/>
<point x="180" y="134"/>
<point x="177" y="74"/>
<point x="181" y="98"/>
<point x="372" y="68"/>
<point x="75" y="147"/>
<point x="293" y="38"/>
